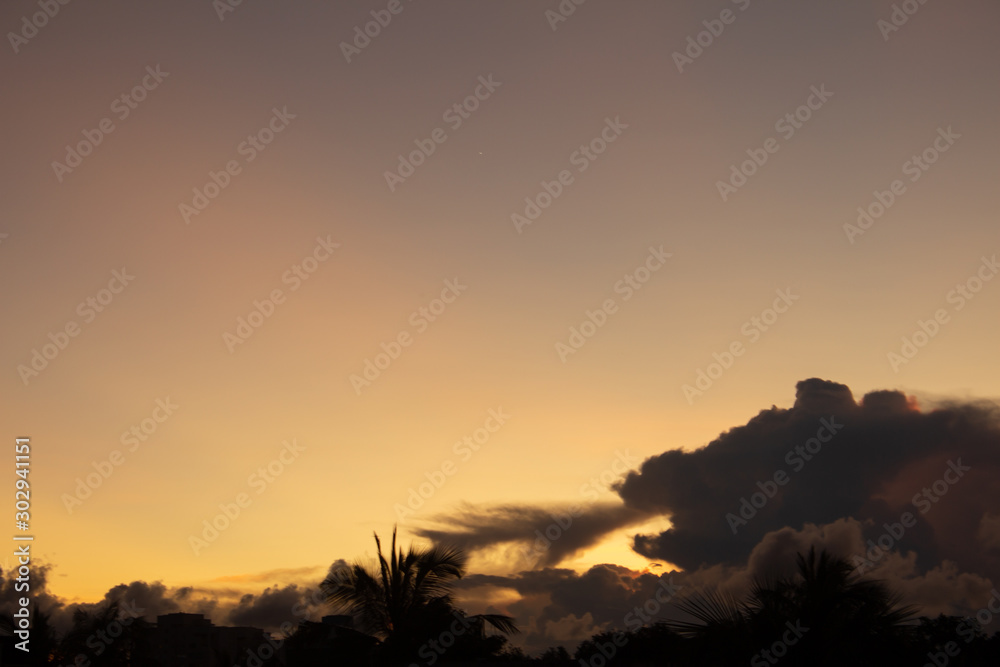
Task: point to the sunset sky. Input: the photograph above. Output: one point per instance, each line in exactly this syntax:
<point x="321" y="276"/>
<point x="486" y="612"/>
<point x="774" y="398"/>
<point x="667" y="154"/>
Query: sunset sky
<point x="597" y="109"/>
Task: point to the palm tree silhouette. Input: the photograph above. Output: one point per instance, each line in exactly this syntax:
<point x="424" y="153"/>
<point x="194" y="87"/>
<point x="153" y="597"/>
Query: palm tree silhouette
<point x="407" y="600"/>
<point x="847" y="619"/>
<point x="130" y="647"/>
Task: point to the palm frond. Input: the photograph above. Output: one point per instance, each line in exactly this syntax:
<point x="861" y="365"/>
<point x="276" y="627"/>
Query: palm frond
<point x="499" y="622"/>
<point x="713" y="610"/>
<point x="405" y="593"/>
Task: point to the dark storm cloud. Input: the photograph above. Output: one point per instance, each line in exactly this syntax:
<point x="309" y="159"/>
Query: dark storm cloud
<point x="145" y="598"/>
<point x="541" y="535"/>
<point x="562" y="606"/>
<point x="11" y="589"/>
<point x="827" y="458"/>
<point x="149" y="599"/>
<point x="872" y="461"/>
<point x="229" y="606"/>
<point x="275" y="606"/>
<point x="556" y="603"/>
<point x="836" y="474"/>
<point x="559" y="605"/>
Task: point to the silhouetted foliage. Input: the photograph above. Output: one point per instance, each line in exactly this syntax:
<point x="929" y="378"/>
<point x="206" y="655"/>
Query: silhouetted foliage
<point x="319" y="645"/>
<point x="404" y="614"/>
<point x="107" y="637"/>
<point x="406" y="603"/>
<point x="826" y="615"/>
<point x="557" y="656"/>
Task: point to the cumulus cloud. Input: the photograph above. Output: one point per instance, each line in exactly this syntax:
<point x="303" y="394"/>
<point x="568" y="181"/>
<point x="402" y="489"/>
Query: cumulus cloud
<point x="871" y="461"/>
<point x="41" y="597"/>
<point x="560" y="606"/>
<point x="910" y="493"/>
<point x="230" y="605"/>
<point x="276" y="606"/>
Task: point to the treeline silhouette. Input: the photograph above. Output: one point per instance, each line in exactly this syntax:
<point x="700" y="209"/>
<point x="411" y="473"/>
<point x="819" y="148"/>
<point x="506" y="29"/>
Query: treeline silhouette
<point x="400" y="612"/>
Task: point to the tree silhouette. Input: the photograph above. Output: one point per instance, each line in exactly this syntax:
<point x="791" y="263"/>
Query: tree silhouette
<point x="825" y="615"/>
<point x="406" y="602"/>
<point x="556" y="655"/>
<point x="106" y="637"/>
